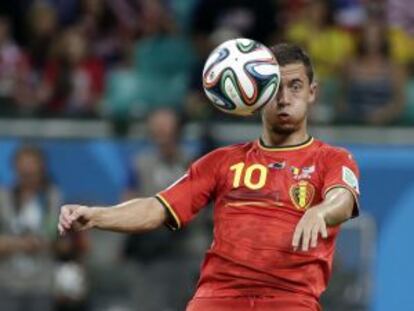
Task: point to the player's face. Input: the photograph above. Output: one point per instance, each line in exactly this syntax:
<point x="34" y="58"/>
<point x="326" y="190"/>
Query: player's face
<point x="287" y="113"/>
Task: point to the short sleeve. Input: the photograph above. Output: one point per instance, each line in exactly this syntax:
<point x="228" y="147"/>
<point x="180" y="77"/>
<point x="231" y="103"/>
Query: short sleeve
<point x="190" y="193"/>
<point x="341" y="171"/>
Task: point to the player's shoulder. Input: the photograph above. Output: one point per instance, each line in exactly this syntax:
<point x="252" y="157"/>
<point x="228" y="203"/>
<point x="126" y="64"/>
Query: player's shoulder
<point x="219" y="156"/>
<point x="331" y="151"/>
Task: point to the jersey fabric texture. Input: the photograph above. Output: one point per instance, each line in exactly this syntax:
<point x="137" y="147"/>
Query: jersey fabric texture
<point x="260" y="194"/>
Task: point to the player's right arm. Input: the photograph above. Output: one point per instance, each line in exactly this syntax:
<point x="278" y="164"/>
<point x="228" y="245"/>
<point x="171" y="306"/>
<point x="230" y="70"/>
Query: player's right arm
<point x="134" y="216"/>
<point x="175" y="206"/>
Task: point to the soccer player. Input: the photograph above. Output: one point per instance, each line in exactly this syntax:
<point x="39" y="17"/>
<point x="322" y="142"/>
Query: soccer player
<point x="278" y="203"/>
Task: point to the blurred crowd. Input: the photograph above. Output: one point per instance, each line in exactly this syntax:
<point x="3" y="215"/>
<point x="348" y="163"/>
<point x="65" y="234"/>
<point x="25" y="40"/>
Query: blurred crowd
<point x="38" y="271"/>
<point x="41" y="271"/>
<point x="121" y="59"/>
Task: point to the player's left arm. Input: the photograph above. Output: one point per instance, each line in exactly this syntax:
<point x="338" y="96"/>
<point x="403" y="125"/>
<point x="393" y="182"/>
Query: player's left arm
<point x="336" y="208"/>
<point x="340" y="192"/>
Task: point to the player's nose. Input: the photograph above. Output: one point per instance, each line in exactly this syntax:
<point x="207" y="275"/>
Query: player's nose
<point x="283" y="96"/>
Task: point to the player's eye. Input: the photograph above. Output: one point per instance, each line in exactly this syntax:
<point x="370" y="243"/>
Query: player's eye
<point x="296" y="87"/>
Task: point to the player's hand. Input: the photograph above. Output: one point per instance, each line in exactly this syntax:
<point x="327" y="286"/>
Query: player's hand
<point x="307" y="231"/>
<point x="75" y="217"/>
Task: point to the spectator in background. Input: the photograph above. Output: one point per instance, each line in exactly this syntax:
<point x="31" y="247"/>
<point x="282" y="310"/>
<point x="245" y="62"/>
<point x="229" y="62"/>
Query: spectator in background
<point x="100" y="27"/>
<point x="121" y="85"/>
<point x="67" y="11"/>
<point x="16" y="89"/>
<point x="155" y="18"/>
<point x="401" y="41"/>
<point x="163" y="58"/>
<point x="329" y="46"/>
<point x="161" y="254"/>
<point x="28" y="216"/>
<point x="401" y="15"/>
<point x="43" y="27"/>
<point x="167" y="162"/>
<point x="373" y="84"/>
<point x="152" y="171"/>
<point x="73" y="79"/>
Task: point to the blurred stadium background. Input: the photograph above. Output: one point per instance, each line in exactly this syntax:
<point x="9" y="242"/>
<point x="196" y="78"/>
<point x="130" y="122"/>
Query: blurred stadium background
<point x="101" y="100"/>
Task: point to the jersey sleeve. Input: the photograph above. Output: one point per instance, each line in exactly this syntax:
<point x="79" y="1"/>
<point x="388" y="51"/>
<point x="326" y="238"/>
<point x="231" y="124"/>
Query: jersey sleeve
<point x="189" y="194"/>
<point x="341" y="171"/>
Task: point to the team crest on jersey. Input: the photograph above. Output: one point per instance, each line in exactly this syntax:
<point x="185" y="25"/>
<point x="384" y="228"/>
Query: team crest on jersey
<point x="301" y="194"/>
<point x="303" y="173"/>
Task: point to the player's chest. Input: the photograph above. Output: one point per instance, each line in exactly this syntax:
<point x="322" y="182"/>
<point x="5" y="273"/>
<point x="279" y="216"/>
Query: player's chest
<point x="280" y="181"/>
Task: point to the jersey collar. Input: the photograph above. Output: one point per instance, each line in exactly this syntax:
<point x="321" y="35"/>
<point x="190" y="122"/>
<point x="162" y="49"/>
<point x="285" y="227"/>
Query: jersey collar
<point x="305" y="144"/>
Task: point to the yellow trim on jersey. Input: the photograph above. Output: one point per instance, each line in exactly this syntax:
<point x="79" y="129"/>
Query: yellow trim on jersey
<point x="286" y="148"/>
<point x="170" y="209"/>
<point x="354" y="193"/>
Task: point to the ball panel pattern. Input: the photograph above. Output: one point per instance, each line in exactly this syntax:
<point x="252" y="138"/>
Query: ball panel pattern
<point x="240" y="76"/>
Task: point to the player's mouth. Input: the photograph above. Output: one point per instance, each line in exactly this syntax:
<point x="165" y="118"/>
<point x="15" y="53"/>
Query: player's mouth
<point x="283" y="115"/>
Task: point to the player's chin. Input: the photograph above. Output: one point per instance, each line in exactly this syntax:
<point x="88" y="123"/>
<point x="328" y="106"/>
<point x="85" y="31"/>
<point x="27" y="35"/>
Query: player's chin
<point x="284" y="128"/>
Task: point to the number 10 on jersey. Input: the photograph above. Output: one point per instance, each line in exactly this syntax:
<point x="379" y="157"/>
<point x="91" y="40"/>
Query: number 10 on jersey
<point x="241" y="172"/>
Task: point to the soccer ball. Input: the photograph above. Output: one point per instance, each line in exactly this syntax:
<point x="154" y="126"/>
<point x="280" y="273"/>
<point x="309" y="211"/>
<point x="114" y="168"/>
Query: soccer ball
<point x="240" y="76"/>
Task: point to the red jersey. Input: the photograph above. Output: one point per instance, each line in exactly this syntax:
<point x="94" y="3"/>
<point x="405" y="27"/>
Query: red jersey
<point x="259" y="196"/>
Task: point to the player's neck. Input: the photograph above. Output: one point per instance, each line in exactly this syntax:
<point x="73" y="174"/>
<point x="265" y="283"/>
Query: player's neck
<point x="272" y="139"/>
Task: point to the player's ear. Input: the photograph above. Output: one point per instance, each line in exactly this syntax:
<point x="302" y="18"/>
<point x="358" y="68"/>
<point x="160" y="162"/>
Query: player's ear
<point x="313" y="90"/>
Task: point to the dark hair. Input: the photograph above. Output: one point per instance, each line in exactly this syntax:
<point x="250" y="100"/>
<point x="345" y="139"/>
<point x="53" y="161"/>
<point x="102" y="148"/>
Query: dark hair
<point x="287" y="53"/>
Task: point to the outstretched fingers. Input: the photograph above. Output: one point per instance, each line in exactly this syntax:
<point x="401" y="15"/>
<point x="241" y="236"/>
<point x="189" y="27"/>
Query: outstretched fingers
<point x="297" y="235"/>
<point x="307" y="233"/>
